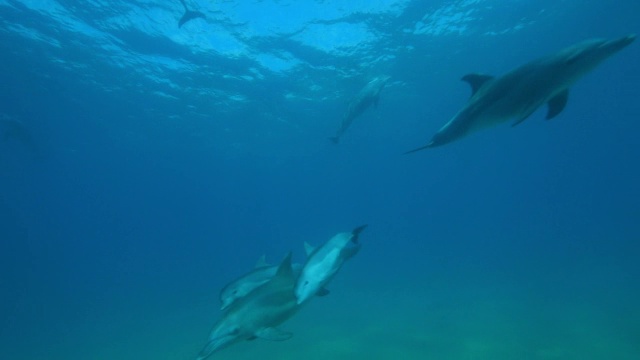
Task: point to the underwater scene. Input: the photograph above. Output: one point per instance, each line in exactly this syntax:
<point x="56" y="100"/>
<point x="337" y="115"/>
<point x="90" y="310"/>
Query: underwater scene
<point x="319" y="179"/>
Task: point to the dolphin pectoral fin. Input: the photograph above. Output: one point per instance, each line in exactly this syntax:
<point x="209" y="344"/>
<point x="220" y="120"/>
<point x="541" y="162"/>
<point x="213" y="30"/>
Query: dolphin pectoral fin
<point x="557" y="104"/>
<point x="323" y="292"/>
<point x="308" y="248"/>
<point x="273" y="334"/>
<point x="476" y="81"/>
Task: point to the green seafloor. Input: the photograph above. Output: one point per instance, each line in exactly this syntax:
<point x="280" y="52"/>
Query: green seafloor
<point x="447" y="319"/>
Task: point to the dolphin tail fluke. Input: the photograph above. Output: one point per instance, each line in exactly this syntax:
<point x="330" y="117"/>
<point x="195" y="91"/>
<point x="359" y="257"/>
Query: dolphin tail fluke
<point x="356" y="232"/>
<point x="335" y="140"/>
<point x="429" y="145"/>
<point x="188" y="16"/>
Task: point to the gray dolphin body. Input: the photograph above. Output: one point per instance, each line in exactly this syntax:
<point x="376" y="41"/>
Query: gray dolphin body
<point x="246" y="283"/>
<point x="519" y="93"/>
<point x="257" y="314"/>
<point x="369" y="95"/>
<point x="324" y="262"/>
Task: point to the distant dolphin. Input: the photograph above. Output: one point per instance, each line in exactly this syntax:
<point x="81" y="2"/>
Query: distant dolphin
<point x="188" y="14"/>
<point x="246" y="283"/>
<point x="324" y="262"/>
<point x="370" y="94"/>
<point x="12" y="129"/>
<point x="257" y="314"/>
<point x="519" y="93"/>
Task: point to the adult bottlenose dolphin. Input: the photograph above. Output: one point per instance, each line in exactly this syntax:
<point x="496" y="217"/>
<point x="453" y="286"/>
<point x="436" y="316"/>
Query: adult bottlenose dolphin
<point x="257" y="314"/>
<point x="369" y="95"/>
<point x="324" y="262"/>
<point x="246" y="283"/>
<point x="188" y="14"/>
<point x="519" y="93"/>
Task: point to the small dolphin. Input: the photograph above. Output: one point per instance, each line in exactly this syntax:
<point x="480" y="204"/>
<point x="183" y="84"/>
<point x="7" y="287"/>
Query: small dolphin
<point x="519" y="93"/>
<point x="189" y="15"/>
<point x="246" y="283"/>
<point x="370" y="94"/>
<point x="257" y="314"/>
<point x="14" y="130"/>
<point x="324" y="262"/>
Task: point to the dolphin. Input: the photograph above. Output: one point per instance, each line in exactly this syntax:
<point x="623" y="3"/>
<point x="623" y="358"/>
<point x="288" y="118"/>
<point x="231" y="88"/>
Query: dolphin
<point x="246" y="283"/>
<point x="188" y="14"/>
<point x="257" y="314"/>
<point x="519" y="93"/>
<point x="14" y="130"/>
<point x="369" y="95"/>
<point x="324" y="262"/>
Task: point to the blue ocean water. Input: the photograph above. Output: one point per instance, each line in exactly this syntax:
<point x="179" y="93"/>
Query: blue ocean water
<point x="161" y="162"/>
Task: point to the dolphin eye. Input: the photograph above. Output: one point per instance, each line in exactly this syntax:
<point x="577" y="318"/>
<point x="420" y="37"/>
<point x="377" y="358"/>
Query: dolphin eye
<point x="306" y="283"/>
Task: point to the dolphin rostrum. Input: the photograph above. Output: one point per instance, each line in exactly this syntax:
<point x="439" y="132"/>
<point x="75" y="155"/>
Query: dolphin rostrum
<point x="189" y="15"/>
<point x="257" y="314"/>
<point x="324" y="262"/>
<point x="246" y="283"/>
<point x="369" y="95"/>
<point x="519" y="93"/>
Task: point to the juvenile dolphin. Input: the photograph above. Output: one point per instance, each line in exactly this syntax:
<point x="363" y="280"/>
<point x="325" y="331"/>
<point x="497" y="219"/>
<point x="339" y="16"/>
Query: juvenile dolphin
<point x="246" y="283"/>
<point x="519" y="93"/>
<point x="324" y="262"/>
<point x="14" y="130"/>
<point x="188" y="14"/>
<point x="257" y="314"/>
<point x="370" y="94"/>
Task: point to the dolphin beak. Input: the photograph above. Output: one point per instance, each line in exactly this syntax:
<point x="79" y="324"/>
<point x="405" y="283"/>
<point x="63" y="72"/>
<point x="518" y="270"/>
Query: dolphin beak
<point x="619" y="44"/>
<point x="213" y="345"/>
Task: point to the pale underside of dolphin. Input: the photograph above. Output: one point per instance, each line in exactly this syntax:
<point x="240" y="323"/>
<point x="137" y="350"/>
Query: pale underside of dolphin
<point x="257" y="314"/>
<point x="519" y="93"/>
<point x="324" y="262"/>
<point x="369" y="95"/>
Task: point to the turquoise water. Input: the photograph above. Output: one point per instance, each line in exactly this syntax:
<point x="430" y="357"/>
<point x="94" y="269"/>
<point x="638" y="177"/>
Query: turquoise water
<point x="143" y="166"/>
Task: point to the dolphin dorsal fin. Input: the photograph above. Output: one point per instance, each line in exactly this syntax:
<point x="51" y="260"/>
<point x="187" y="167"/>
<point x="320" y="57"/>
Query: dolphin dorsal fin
<point x="262" y="262"/>
<point x="308" y="248"/>
<point x="476" y="81"/>
<point x="284" y="269"/>
<point x="557" y="104"/>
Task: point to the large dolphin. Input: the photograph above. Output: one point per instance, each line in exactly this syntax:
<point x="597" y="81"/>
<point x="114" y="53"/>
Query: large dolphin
<point x="324" y="262"/>
<point x="189" y="15"/>
<point x="519" y="93"/>
<point x="369" y="95"/>
<point x="246" y="283"/>
<point x="257" y="314"/>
